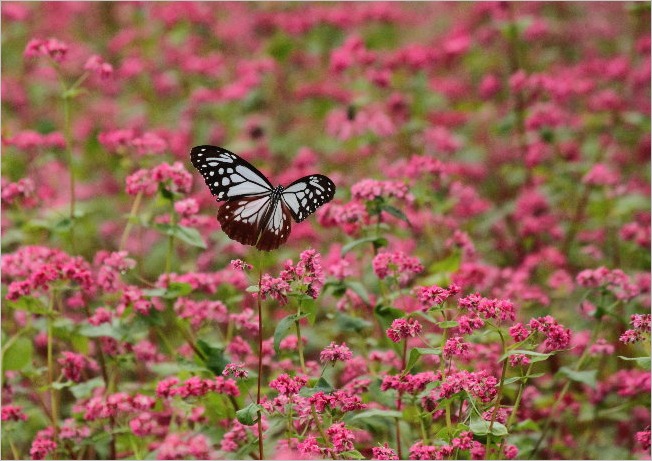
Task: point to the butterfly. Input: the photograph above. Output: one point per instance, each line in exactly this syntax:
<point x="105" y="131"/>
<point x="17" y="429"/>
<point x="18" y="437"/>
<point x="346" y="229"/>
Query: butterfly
<point x="255" y="212"/>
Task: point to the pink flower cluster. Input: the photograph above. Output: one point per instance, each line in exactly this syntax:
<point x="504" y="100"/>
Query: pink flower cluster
<point x="174" y="178"/>
<point x="51" y="47"/>
<point x="641" y="330"/>
<point x="146" y="143"/>
<point x="196" y="387"/>
<point x="397" y="265"/>
<point x="432" y="296"/>
<point x="403" y="329"/>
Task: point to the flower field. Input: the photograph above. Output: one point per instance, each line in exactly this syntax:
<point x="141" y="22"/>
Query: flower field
<point x="478" y="287"/>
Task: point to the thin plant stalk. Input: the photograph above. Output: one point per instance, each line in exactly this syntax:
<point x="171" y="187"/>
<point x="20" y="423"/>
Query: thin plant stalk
<point x="132" y="216"/>
<point x="260" y="363"/>
<point x="53" y="394"/>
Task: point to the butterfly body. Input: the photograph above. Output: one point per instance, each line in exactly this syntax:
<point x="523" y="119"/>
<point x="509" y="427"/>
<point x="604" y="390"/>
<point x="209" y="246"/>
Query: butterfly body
<point x="255" y="212"/>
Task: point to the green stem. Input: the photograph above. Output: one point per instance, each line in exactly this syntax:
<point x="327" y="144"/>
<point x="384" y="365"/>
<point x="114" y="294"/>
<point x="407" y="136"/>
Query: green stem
<point x="299" y="340"/>
<point x="519" y="395"/>
<point x="71" y="166"/>
<point x="14" y="450"/>
<point x="261" y="450"/>
<point x="130" y="220"/>
<point x="53" y="395"/>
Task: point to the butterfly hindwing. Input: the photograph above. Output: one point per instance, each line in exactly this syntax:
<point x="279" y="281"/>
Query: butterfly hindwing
<point x="306" y="194"/>
<point x="227" y="175"/>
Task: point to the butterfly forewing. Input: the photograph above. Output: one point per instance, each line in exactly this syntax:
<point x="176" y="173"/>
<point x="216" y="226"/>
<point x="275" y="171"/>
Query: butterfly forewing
<point x="227" y="175"/>
<point x="307" y="194"/>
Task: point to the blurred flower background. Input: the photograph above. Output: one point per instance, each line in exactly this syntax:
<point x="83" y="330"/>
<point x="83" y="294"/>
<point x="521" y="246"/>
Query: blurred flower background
<point x="479" y="287"/>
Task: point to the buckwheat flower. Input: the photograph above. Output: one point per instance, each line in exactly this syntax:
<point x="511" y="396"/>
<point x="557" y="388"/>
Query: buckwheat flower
<point x="165" y="388"/>
<point x="97" y="65"/>
<point x="383" y="452"/>
<point x="240" y="265"/>
<point x="287" y="385"/>
<point x="198" y="312"/>
<point x="41" y="447"/>
<point x="341" y="437"/>
<point x="463" y="441"/>
<point x="69" y="430"/>
<point x="182" y="446"/>
<point x="641" y="322"/>
<point x="643" y="439"/>
<point x="333" y="353"/>
<point x="309" y="446"/>
<point x="23" y="190"/>
<point x="631" y="337"/>
<point x="396" y="264"/>
<point x="236" y="370"/>
<point x="370" y="189"/>
<point x="187" y="207"/>
<point x="52" y="47"/>
<point x="518" y="360"/>
<point x="501" y="415"/>
<point x="601" y="175"/>
<point x="433" y="295"/>
<point x="151" y="143"/>
<point x="141" y="181"/>
<point x="518" y="332"/>
<point x="455" y="347"/>
<point x="468" y="324"/>
<point x="116" y="140"/>
<point x="13" y="413"/>
<point x="275" y="288"/>
<point x="402" y="328"/>
<point x="174" y="177"/>
<point x="421" y="451"/>
<point x="557" y="337"/>
<point x="143" y="425"/>
<point x="501" y="309"/>
<point x="72" y="365"/>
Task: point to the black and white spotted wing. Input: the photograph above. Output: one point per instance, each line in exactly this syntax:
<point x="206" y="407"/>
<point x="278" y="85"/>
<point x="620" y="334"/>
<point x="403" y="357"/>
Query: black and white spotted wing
<point x="255" y="212"/>
<point x="307" y="194"/>
<point x="227" y="175"/>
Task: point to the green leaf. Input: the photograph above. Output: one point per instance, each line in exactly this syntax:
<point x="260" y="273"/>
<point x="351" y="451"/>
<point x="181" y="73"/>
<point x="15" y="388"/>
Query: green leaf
<point x="173" y="291"/>
<point x="189" y="235"/>
<point x="249" y="414"/>
<point x="523" y="378"/>
<point x="18" y="355"/>
<point x="588" y="377"/>
<point x="376" y="241"/>
<point x="215" y="360"/>
<point x="481" y="427"/>
<point x="348" y="323"/>
<point x="30" y="304"/>
<point x="417" y="352"/>
<point x="83" y="390"/>
<point x="252" y="289"/>
<point x="534" y="356"/>
<point x="358" y="289"/>
<point x="280" y="46"/>
<point x="321" y="386"/>
<point x="104" y="329"/>
<point x="450" y="264"/>
<point x="394" y="212"/>
<point x="387" y="314"/>
<point x="448" y="324"/>
<point x="58" y="386"/>
<point x="282" y="328"/>
<point x="644" y="362"/>
<point x="375" y="413"/>
<point x="351" y="454"/>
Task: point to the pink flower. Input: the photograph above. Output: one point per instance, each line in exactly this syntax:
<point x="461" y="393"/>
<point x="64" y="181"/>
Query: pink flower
<point x="13" y="413"/>
<point x="236" y="370"/>
<point x="97" y="65"/>
<point x="240" y="265"/>
<point x="341" y="437"/>
<point x="433" y="296"/>
<point x="455" y="347"/>
<point x="643" y="439"/>
<point x="402" y="328"/>
<point x="369" y="189"/>
<point x="397" y="265"/>
<point x="23" y="190"/>
<point x="52" y="47"/>
<point x="73" y="364"/>
<point x="275" y="288"/>
<point x="309" y="447"/>
<point x="601" y="175"/>
<point x="287" y="385"/>
<point x="333" y="353"/>
<point x="383" y="452"/>
<point x="141" y="181"/>
<point x="41" y="447"/>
